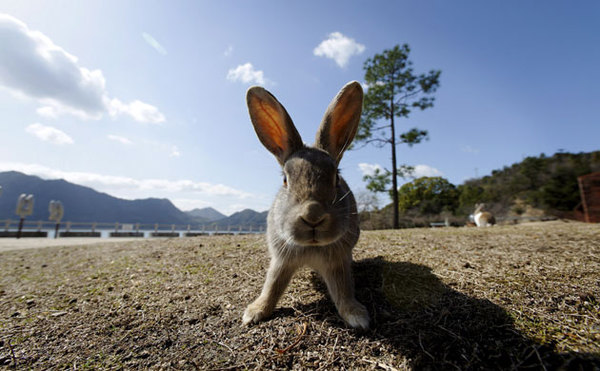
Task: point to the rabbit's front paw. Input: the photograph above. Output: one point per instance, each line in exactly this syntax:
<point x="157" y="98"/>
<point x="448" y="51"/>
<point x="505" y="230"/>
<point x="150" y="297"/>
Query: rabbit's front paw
<point x="255" y="313"/>
<point x="356" y="315"/>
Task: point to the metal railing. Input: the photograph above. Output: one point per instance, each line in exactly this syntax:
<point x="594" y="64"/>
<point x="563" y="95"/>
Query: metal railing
<point x="119" y="229"/>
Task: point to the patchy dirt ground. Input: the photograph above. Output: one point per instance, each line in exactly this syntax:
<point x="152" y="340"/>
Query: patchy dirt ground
<point x="497" y="298"/>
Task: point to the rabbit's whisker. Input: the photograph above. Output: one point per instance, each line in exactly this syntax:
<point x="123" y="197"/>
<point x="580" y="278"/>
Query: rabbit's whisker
<point x="344" y="196"/>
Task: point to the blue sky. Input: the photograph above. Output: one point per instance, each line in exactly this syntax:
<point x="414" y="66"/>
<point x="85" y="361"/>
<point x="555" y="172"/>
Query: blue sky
<point x="147" y="98"/>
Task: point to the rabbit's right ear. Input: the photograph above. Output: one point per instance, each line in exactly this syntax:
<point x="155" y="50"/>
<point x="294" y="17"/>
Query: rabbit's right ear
<point x="341" y="120"/>
<point x="272" y="124"/>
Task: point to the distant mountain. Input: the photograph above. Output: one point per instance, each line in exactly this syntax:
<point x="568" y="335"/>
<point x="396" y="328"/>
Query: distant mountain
<point x="206" y="215"/>
<point x="244" y="218"/>
<point x="84" y="204"/>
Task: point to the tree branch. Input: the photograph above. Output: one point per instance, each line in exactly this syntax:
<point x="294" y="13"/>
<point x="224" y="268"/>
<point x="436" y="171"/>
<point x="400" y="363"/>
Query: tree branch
<point x="410" y="95"/>
<point x="381" y="127"/>
<point x="378" y="142"/>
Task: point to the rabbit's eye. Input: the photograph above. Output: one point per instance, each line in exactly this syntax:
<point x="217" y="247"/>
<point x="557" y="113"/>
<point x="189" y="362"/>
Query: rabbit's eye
<point x="284" y="181"/>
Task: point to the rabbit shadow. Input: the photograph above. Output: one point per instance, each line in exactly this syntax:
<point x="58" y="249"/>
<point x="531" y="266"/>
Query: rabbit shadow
<point x="437" y="327"/>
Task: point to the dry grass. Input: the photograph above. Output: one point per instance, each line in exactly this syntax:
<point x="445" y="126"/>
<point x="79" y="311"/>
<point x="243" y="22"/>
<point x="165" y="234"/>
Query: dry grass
<point x="497" y="298"/>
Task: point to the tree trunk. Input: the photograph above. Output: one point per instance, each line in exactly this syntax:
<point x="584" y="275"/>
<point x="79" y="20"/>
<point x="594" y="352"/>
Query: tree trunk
<point x="396" y="223"/>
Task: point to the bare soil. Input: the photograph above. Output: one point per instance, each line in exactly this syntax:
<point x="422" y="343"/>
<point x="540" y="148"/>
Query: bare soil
<point x="524" y="296"/>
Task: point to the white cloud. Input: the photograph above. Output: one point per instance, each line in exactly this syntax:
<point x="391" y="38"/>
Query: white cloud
<point x="54" y="109"/>
<point x="48" y="112"/>
<point x="150" y="40"/>
<point x="32" y="66"/>
<point x="369" y="169"/>
<point x="420" y="170"/>
<point x="133" y="186"/>
<point x="367" y="86"/>
<point x="49" y="134"/>
<point x="229" y="51"/>
<point x="247" y="74"/>
<point x="426" y="170"/>
<point x="175" y="152"/>
<point x="119" y="139"/>
<point x="139" y="111"/>
<point x="339" y="48"/>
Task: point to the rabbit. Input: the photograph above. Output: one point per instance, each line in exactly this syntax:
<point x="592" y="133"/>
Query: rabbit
<point x="313" y="220"/>
<point x="483" y="218"/>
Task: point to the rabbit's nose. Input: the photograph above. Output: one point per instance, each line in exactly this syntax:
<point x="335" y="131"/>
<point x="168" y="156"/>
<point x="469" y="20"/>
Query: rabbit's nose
<point x="313" y="214"/>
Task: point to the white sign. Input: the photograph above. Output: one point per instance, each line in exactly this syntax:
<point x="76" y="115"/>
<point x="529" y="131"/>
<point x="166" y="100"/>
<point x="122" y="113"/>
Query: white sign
<point x="25" y="205"/>
<point x="56" y="211"/>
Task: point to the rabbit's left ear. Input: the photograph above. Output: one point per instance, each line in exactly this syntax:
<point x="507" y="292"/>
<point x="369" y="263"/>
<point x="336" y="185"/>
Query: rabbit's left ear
<point x="341" y="120"/>
<point x="272" y="124"/>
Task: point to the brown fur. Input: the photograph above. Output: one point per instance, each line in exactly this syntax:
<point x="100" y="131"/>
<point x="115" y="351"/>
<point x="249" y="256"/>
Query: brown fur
<point x="483" y="218"/>
<point x="313" y="220"/>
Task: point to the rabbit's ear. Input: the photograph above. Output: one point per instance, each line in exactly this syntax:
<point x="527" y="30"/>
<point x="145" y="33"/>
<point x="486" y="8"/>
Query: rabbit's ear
<point x="272" y="124"/>
<point x="341" y="121"/>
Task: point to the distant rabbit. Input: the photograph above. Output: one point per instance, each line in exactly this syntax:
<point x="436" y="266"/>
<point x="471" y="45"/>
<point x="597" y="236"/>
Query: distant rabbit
<point x="483" y="218"/>
<point x="313" y="220"/>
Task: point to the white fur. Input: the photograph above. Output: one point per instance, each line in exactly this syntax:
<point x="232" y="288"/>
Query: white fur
<point x="478" y="221"/>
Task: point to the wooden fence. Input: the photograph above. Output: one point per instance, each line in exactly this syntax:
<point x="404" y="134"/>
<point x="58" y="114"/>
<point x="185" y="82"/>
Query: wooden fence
<point x="589" y="189"/>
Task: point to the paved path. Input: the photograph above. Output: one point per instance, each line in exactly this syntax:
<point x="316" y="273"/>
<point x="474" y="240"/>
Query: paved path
<point x="8" y="244"/>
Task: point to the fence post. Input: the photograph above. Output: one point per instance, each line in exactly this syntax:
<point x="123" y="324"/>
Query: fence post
<point x="155" y="227"/>
<point x="172" y="228"/>
<point x="137" y="227"/>
<point x="7" y="225"/>
<point x="39" y="226"/>
<point x="57" y="211"/>
<point x="189" y="228"/>
<point x="20" y="227"/>
<point x="116" y="227"/>
<point x="93" y="227"/>
<point x="69" y="227"/>
<point x="24" y="208"/>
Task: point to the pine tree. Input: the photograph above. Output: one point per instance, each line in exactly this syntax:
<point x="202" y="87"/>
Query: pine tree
<point x="394" y="90"/>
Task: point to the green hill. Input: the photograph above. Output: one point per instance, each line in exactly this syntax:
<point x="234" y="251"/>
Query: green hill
<point x="546" y="183"/>
<point x="536" y="186"/>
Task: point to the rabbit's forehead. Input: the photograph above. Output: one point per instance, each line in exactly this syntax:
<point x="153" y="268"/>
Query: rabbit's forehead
<point x="310" y="163"/>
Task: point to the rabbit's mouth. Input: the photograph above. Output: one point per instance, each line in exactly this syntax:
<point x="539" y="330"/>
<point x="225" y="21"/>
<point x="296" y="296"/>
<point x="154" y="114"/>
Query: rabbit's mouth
<point x="315" y="237"/>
